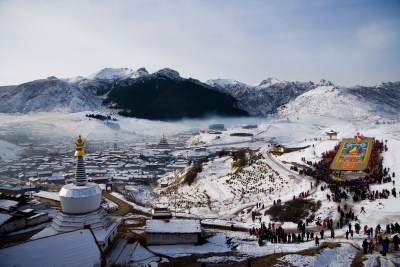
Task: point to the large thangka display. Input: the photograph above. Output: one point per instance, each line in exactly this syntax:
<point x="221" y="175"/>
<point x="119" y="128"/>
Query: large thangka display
<point x="353" y="154"/>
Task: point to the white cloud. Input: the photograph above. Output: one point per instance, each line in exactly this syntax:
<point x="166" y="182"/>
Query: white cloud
<point x="378" y="34"/>
<point x="244" y="40"/>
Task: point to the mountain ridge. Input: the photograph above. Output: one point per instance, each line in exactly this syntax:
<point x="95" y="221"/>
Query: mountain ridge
<point x="46" y="95"/>
<point x="270" y="96"/>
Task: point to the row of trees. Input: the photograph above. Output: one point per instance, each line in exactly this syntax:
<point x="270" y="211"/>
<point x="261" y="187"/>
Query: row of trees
<point x="192" y="172"/>
<point x="100" y="117"/>
<point x="240" y="158"/>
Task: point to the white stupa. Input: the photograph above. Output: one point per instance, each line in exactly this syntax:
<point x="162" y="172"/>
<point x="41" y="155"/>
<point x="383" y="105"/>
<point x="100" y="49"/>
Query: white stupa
<point x="80" y="197"/>
<point x="80" y="207"/>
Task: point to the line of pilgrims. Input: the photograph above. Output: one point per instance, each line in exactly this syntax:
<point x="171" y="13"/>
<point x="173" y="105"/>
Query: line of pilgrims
<point x="274" y="234"/>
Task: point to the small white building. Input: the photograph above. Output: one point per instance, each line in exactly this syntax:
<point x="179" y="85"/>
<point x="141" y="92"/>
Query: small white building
<point x="173" y="231"/>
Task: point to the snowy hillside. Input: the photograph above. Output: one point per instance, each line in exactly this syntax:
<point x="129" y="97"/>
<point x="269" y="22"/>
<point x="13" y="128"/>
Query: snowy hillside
<point x="262" y="99"/>
<point x="46" y="95"/>
<point x="351" y="103"/>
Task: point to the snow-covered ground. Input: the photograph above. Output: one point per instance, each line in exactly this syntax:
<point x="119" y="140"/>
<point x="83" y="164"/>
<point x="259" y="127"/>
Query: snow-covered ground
<point x="335" y="257"/>
<point x="223" y="206"/>
<point x="222" y="195"/>
<point x="215" y="244"/>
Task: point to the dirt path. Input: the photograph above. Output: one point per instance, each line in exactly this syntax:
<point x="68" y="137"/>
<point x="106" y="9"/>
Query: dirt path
<point x="124" y="208"/>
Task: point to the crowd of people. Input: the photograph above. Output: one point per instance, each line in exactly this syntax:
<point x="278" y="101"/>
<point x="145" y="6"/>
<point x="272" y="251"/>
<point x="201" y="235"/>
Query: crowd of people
<point x="381" y="244"/>
<point x="273" y="234"/>
<point x="357" y="189"/>
<point x="276" y="234"/>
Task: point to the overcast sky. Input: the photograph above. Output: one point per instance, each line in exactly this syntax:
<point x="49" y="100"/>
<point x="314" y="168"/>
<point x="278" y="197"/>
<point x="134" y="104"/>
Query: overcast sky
<point x="347" y="42"/>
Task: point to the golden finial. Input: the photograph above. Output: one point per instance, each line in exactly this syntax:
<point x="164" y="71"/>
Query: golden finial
<point x="79" y="143"/>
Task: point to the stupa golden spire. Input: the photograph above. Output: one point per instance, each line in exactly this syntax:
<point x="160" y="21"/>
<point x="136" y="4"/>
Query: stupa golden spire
<point x="79" y="143"/>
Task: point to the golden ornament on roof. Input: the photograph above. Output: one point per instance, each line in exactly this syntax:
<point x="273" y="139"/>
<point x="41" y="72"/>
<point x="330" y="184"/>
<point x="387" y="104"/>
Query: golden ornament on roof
<point x="79" y="143"/>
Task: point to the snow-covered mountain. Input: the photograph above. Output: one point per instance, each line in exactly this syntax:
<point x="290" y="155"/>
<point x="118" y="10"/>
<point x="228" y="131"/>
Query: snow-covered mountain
<point x="271" y="96"/>
<point x="262" y="99"/>
<point x="99" y="83"/>
<point x="46" y="95"/>
<point x="111" y="74"/>
<point x="143" y="76"/>
<point x="364" y="103"/>
<point x="168" y="73"/>
<point x="165" y="95"/>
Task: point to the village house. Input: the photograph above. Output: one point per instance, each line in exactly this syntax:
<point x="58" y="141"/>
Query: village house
<point x="173" y="231"/>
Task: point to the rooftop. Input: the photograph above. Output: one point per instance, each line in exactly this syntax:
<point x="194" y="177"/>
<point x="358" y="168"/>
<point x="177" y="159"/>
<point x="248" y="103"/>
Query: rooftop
<point x="4" y="218"/>
<point x="7" y="204"/>
<point x="48" y="195"/>
<point x="77" y="248"/>
<point x="173" y="226"/>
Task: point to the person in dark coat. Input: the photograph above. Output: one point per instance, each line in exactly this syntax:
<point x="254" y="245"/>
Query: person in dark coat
<point x="316" y="241"/>
<point x="365" y="246"/>
<point x="385" y="246"/>
<point x="396" y="241"/>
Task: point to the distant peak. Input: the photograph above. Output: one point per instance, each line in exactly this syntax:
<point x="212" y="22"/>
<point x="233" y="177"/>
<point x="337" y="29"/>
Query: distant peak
<point x="225" y="83"/>
<point x="136" y="74"/>
<point x="324" y="82"/>
<point x="111" y="74"/>
<point x="169" y="73"/>
<point x="269" y="82"/>
<point x="142" y="71"/>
